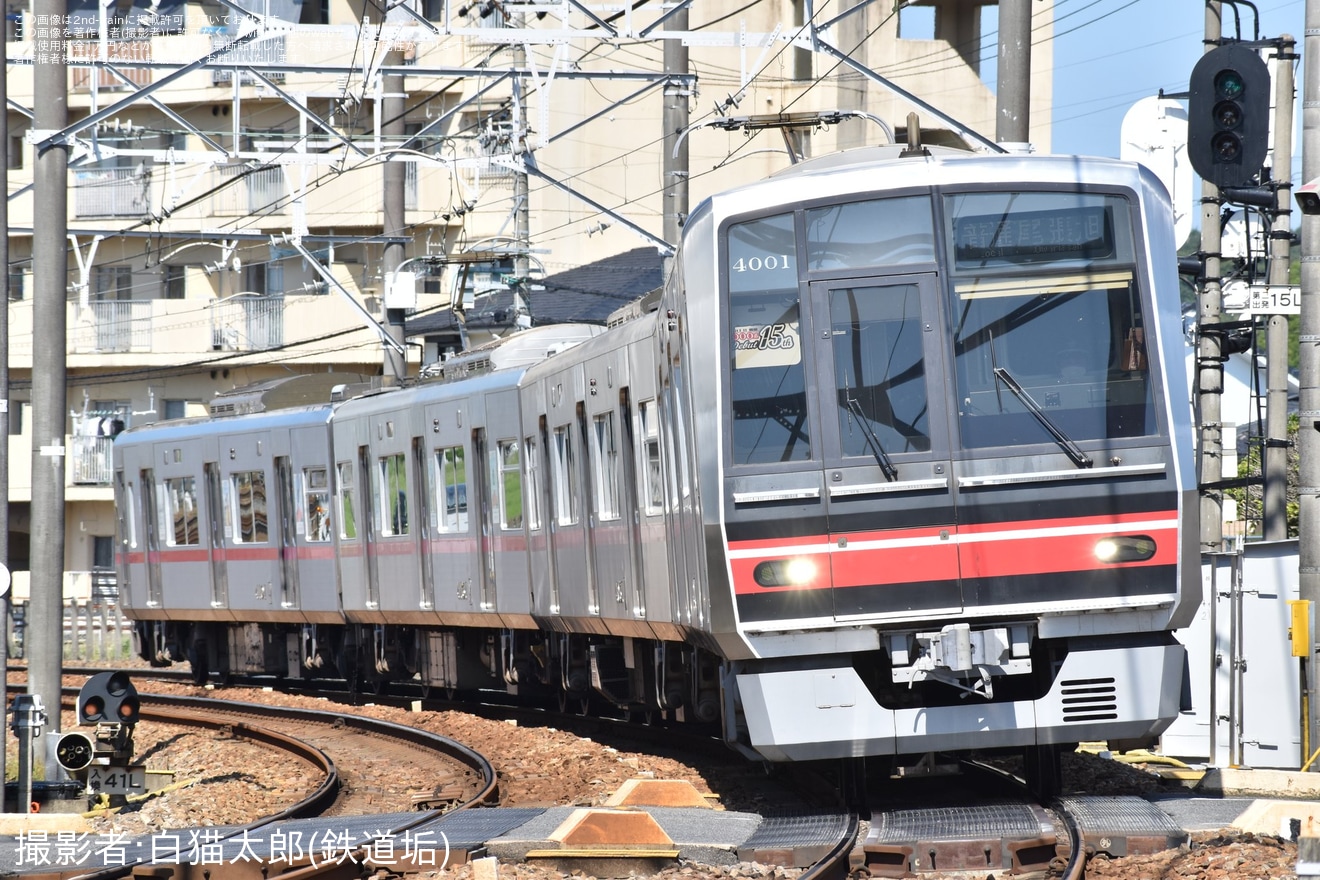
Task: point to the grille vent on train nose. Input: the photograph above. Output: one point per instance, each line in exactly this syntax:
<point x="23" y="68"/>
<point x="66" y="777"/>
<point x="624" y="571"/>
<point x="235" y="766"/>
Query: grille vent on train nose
<point x="1090" y="699"/>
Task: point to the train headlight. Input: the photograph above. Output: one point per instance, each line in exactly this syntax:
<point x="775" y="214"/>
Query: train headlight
<point x="794" y="572"/>
<point x="1125" y="548"/>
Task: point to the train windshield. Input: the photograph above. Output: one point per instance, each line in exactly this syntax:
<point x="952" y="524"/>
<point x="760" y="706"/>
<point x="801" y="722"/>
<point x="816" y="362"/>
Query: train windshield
<point x="1048" y="330"/>
<point x="768" y="375"/>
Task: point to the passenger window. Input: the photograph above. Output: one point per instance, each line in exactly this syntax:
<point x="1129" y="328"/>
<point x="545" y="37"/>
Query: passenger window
<point x="181" y="511"/>
<point x="605" y="465"/>
<point x="316" y="498"/>
<point x="451" y="481"/>
<point x="565" y="477"/>
<point x="652" y="478"/>
<point x="532" y="497"/>
<point x="391" y="485"/>
<point x="509" y="476"/>
<point x="247" y="513"/>
<point x="348" y="515"/>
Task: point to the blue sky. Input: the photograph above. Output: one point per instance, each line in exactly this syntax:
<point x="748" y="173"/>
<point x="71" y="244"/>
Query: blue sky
<point x="1110" y="53"/>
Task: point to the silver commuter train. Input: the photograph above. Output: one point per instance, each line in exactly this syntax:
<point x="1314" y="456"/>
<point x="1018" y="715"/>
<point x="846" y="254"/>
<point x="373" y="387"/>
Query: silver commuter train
<point x="898" y="461"/>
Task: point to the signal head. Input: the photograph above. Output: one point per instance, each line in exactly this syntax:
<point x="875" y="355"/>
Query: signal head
<point x="108" y="698"/>
<point x="75" y="751"/>
<point x="1228" y="125"/>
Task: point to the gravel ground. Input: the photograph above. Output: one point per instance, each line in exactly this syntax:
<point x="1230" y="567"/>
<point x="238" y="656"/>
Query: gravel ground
<point x="543" y="766"/>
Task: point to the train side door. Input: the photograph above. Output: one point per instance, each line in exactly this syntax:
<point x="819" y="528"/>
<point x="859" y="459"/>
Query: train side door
<point x="887" y="469"/>
<point x="368" y="529"/>
<point x="288" y="536"/>
<point x="487" y="473"/>
<point x="215" y="518"/>
<point x="151" y="536"/>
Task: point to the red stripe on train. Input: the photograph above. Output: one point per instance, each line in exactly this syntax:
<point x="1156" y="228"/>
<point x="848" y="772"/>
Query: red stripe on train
<point x="934" y="554"/>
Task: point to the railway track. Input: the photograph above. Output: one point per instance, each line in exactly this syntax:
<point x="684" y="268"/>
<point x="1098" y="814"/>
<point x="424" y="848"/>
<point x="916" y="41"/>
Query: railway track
<point x="344" y="751"/>
<point x="992" y="831"/>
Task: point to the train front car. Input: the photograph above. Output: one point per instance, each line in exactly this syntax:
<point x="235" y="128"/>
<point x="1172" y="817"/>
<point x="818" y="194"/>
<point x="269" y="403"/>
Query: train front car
<point x="957" y="505"/>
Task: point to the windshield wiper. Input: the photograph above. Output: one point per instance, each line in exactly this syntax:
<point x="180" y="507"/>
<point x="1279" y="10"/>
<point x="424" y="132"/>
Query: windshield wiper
<point x="882" y="458"/>
<point x="1079" y="458"/>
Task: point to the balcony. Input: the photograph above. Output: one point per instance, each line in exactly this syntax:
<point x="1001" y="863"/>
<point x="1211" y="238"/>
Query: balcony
<point x="127" y="52"/>
<point x="122" y="325"/>
<point x="244" y="191"/>
<point x="111" y="192"/>
<point x="247" y="322"/>
<point x="90" y="462"/>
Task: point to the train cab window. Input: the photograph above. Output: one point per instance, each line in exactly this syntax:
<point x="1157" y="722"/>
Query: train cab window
<point x="450" y="479"/>
<point x="767" y="389"/>
<point x="508" y="480"/>
<point x="881" y="232"/>
<point x="347" y="510"/>
<point x="564" y="484"/>
<point x="247" y="507"/>
<point x="605" y="466"/>
<point x="1048" y="326"/>
<point x="390" y="485"/>
<point x="652" y="478"/>
<point x="532" y="497"/>
<point x="180" y="509"/>
<point x="878" y="367"/>
<point x="316" y="502"/>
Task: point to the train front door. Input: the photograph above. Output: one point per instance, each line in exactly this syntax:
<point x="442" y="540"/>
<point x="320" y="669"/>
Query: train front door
<point x="888" y="484"/>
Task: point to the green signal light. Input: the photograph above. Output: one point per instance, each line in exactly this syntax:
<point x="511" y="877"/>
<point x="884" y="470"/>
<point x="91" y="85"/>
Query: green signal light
<point x="1228" y="84"/>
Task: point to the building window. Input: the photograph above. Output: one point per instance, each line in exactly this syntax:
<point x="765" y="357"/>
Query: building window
<point x="15" y="151"/>
<point x="16" y="284"/>
<point x="112" y="282"/>
<point x="176" y="282"/>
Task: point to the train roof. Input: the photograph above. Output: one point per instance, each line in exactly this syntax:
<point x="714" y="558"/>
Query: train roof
<point x="183" y="429"/>
<point x="521" y="349"/>
<point x="884" y="168"/>
<point x="286" y="392"/>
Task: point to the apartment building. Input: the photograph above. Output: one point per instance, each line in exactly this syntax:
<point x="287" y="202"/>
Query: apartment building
<point x="225" y="210"/>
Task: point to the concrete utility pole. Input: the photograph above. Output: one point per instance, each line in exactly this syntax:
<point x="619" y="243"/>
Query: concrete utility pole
<point x="677" y="92"/>
<point x="45" y="646"/>
<point x="1013" y="90"/>
<point x="393" y="219"/>
<point x="1308" y="438"/>
<point x="4" y="396"/>
<point x="1275" y="459"/>
<point x="1209" y="366"/>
